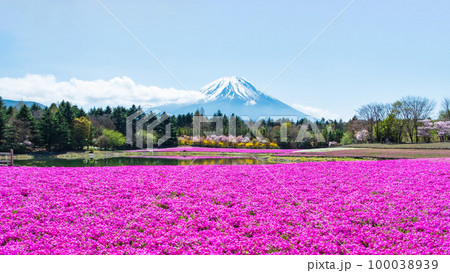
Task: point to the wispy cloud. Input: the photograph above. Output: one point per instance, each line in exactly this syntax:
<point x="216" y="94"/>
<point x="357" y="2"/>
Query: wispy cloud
<point x="123" y="91"/>
<point x="316" y="112"/>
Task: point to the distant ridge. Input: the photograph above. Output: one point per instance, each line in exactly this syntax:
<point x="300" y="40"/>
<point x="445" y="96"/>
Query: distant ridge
<point x="15" y="103"/>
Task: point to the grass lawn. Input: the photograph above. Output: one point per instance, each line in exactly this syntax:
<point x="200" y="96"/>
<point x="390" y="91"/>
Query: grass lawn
<point x="439" y="145"/>
<point x="370" y="153"/>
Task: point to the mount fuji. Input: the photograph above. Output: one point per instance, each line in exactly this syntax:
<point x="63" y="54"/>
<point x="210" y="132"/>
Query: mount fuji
<point x="235" y="95"/>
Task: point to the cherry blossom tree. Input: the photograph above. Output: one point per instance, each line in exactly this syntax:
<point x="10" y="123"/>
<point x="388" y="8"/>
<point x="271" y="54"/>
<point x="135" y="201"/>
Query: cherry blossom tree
<point x="362" y="136"/>
<point x="425" y="130"/>
<point x="443" y="129"/>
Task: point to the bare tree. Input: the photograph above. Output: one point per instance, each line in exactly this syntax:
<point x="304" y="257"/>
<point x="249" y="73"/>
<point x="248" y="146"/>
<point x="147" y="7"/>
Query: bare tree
<point x="365" y="113"/>
<point x="414" y="109"/>
<point x="445" y="113"/>
<point x="373" y="114"/>
<point x="396" y="121"/>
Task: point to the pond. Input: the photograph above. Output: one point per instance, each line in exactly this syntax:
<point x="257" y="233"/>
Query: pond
<point x="130" y="161"/>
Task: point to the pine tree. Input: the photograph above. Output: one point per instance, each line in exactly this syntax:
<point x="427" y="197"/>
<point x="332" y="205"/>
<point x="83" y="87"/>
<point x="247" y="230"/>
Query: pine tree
<point x="2" y="122"/>
<point x="48" y="127"/>
<point x="10" y="111"/>
<point x="119" y="117"/>
<point x="65" y="116"/>
<point x="24" y="126"/>
<point x="62" y="132"/>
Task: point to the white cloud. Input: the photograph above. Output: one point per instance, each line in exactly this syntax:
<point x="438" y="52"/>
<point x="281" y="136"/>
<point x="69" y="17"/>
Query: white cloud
<point x="316" y="112"/>
<point x="123" y="91"/>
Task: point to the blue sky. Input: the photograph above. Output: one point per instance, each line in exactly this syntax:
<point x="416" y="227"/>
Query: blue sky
<point x="377" y="51"/>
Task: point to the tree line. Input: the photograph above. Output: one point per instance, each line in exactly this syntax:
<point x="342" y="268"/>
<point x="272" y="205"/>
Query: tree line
<point x="400" y="121"/>
<point x="64" y="126"/>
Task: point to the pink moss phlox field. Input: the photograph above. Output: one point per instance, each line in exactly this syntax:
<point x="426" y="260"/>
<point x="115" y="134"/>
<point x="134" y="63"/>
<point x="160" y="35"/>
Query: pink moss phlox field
<point x="364" y="207"/>
<point x="217" y="150"/>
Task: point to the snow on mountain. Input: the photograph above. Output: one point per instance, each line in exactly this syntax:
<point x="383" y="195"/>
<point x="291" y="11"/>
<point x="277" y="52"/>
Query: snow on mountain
<point x="230" y="88"/>
<point x="235" y="95"/>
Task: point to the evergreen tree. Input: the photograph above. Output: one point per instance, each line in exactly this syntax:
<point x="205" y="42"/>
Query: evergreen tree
<point x="119" y="117"/>
<point x="36" y="111"/>
<point x="64" y="117"/>
<point x="10" y="111"/>
<point x="160" y="130"/>
<point x="81" y="113"/>
<point x="62" y="132"/>
<point x="2" y="121"/>
<point x="48" y="127"/>
<point x="24" y="126"/>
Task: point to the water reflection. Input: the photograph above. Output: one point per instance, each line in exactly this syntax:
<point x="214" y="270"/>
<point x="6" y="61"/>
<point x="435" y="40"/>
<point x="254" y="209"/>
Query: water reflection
<point x="131" y="161"/>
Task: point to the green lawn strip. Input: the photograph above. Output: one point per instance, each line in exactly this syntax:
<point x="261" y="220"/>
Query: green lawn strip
<point x="298" y="159"/>
<point x="431" y="146"/>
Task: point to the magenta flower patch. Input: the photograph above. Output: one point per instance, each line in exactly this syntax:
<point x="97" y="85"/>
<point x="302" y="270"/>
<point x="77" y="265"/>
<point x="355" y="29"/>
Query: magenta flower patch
<point x="364" y="207"/>
<point x="217" y="150"/>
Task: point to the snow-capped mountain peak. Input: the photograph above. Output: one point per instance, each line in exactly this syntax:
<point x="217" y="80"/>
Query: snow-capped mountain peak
<point x="235" y="95"/>
<point x="231" y="88"/>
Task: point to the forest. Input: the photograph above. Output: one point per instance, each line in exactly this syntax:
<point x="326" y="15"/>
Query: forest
<point x="65" y="127"/>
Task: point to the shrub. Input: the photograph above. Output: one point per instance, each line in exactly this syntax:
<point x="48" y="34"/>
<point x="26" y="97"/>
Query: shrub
<point x="110" y="139"/>
<point x="102" y="142"/>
